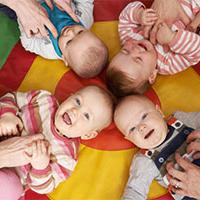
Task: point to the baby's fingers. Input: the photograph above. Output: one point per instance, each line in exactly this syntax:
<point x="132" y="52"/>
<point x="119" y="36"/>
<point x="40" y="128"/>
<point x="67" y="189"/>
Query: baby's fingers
<point x="151" y="13"/>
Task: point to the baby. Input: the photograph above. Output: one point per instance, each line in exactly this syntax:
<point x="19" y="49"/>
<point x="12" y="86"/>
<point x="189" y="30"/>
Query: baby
<point x="82" y="115"/>
<point x="76" y="45"/>
<point x="142" y="123"/>
<point x="138" y="62"/>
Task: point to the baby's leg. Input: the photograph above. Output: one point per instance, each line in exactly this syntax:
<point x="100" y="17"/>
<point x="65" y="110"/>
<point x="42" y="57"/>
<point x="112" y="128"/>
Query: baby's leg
<point x="10" y="185"/>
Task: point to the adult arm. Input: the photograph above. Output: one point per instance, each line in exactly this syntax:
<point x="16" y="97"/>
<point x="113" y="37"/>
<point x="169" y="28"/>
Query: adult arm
<point x="32" y="17"/>
<point x="12" y="151"/>
<point x="142" y="173"/>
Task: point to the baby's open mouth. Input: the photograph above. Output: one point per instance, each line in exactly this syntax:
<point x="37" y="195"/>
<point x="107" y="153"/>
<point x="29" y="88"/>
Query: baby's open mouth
<point x="149" y="134"/>
<point x="66" y="118"/>
<point x="143" y="46"/>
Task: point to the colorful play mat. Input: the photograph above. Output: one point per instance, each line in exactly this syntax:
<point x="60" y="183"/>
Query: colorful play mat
<point x="103" y="166"/>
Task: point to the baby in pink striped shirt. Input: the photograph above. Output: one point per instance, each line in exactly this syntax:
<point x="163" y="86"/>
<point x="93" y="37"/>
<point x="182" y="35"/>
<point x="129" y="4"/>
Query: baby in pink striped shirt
<point x="83" y="115"/>
<point x="139" y="61"/>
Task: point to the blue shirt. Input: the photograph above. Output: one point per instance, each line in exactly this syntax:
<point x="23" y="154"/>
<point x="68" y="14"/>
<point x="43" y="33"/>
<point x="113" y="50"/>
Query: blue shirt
<point x="59" y="19"/>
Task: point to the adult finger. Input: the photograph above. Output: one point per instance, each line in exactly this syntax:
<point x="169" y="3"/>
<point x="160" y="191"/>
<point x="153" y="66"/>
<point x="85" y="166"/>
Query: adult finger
<point x="183" y="163"/>
<point x="196" y="155"/>
<point x="27" y="30"/>
<point x="32" y="138"/>
<point x="193" y="146"/>
<point x="51" y="28"/>
<point x="176" y="183"/>
<point x="20" y="126"/>
<point x="42" y="32"/>
<point x="66" y="7"/>
<point x="49" y="4"/>
<point x="194" y="135"/>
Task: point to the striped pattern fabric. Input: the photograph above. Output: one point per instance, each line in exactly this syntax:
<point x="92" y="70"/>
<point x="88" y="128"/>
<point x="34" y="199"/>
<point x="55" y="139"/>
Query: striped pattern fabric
<point x="184" y="48"/>
<point x="37" y="111"/>
<point x="103" y="162"/>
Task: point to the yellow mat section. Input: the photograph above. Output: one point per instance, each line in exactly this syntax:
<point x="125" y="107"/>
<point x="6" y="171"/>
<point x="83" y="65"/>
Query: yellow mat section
<point x="43" y="74"/>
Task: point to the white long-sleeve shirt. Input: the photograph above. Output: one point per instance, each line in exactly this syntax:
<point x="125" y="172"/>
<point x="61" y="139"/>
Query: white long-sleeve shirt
<point x="184" y="48"/>
<point x="43" y="46"/>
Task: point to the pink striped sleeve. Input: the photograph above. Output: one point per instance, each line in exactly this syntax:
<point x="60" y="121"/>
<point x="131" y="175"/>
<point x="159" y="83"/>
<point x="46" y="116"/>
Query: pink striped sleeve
<point x="128" y="21"/>
<point x="185" y="51"/>
<point x="8" y="104"/>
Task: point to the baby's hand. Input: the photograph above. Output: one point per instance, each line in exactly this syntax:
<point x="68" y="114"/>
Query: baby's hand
<point x="193" y="27"/>
<point x="148" y="17"/>
<point x="164" y="30"/>
<point x="40" y="154"/>
<point x="10" y="124"/>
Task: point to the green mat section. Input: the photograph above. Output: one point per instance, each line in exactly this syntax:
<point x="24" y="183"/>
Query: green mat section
<point x="9" y="35"/>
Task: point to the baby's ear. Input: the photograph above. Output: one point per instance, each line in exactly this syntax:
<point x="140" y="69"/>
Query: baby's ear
<point x="90" y="135"/>
<point x="153" y="76"/>
<point x="65" y="60"/>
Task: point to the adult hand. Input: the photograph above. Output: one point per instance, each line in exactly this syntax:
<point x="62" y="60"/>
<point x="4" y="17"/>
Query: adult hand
<point x="63" y="5"/>
<point x="33" y="17"/>
<point x="168" y="11"/>
<point x="12" y="151"/>
<point x="10" y="124"/>
<point x="194" y="143"/>
<point x="186" y="182"/>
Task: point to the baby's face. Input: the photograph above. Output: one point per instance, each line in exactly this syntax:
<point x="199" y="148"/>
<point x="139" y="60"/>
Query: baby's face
<point x="137" y="59"/>
<point x="82" y="113"/>
<point x="74" y="41"/>
<point x="140" y="122"/>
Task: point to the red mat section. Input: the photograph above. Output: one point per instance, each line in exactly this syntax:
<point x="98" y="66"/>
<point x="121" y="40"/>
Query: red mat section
<point x="14" y="70"/>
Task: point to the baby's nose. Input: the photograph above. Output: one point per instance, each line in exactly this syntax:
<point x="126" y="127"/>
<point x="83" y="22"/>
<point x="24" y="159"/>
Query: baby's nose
<point x="142" y="127"/>
<point x="74" y="113"/>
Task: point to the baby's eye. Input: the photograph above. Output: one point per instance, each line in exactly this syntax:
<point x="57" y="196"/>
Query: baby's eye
<point x="125" y="51"/>
<point x="87" y="116"/>
<point x="132" y="129"/>
<point x="144" y="116"/>
<point x="80" y="32"/>
<point x="68" y="42"/>
<point x="78" y="102"/>
<point x="138" y="59"/>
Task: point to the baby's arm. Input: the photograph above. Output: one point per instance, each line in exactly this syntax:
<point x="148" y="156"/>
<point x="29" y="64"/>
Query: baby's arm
<point x="129" y="22"/>
<point x="84" y="10"/>
<point x="142" y="173"/>
<point x="41" y="179"/>
<point x="184" y="48"/>
<point x="134" y="18"/>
